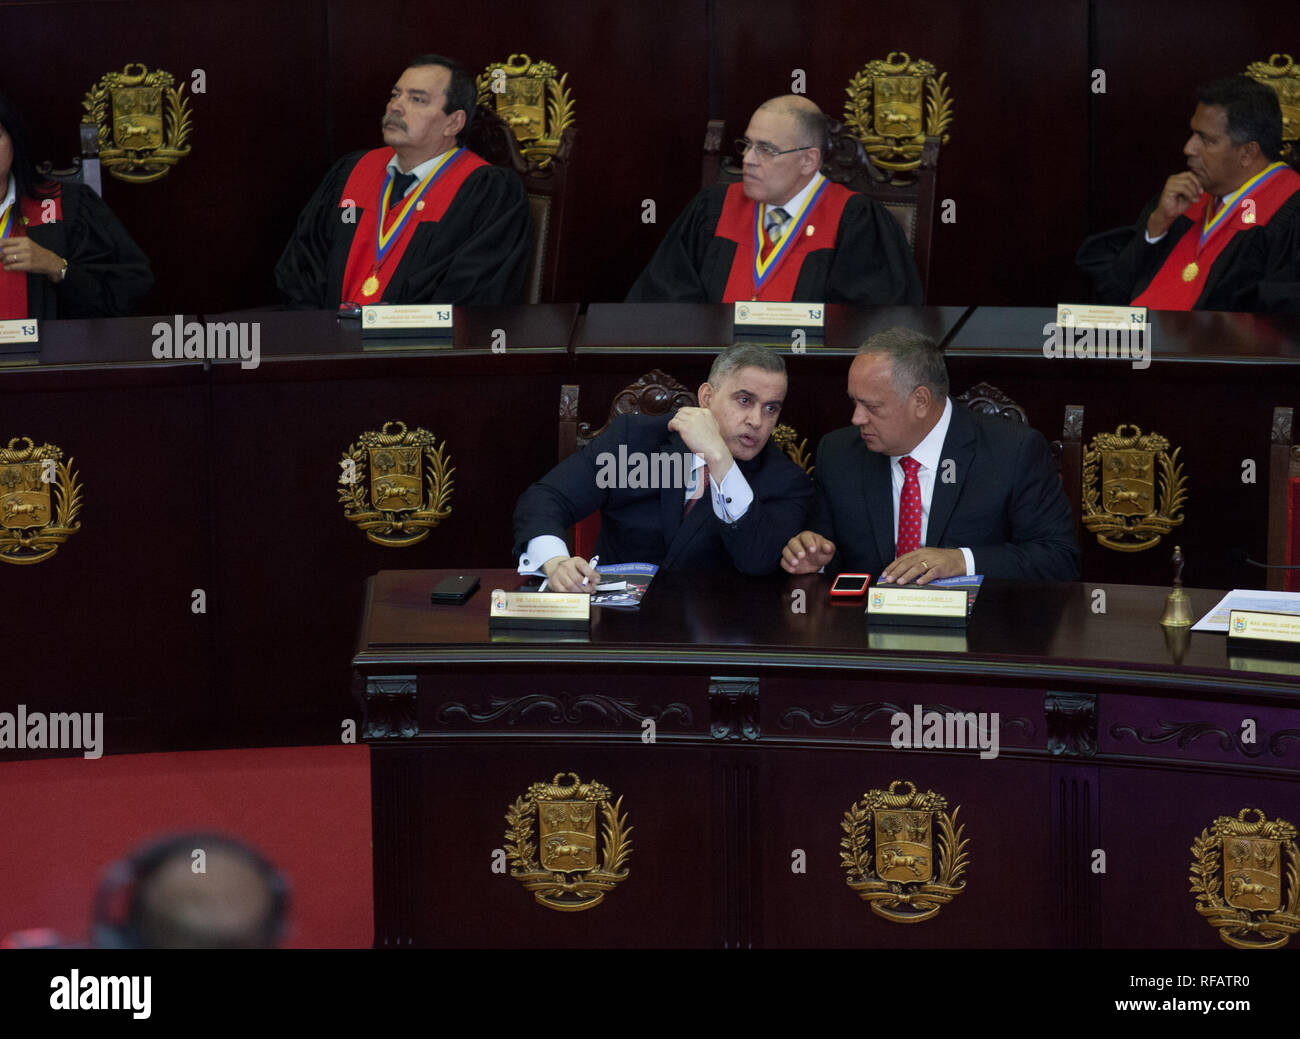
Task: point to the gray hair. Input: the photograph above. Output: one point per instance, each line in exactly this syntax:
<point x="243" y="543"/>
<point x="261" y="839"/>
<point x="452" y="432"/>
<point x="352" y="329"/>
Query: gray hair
<point x="744" y="355"/>
<point x="917" y="361"/>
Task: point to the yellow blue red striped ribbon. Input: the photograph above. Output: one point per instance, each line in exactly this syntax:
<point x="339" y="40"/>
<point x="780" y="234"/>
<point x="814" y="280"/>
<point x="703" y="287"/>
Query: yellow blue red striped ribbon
<point x="764" y="268"/>
<point x="385" y="239"/>
<point x="1229" y="202"/>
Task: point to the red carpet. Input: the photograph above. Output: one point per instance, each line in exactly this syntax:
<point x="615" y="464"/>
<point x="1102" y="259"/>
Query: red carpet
<point x="307" y="809"/>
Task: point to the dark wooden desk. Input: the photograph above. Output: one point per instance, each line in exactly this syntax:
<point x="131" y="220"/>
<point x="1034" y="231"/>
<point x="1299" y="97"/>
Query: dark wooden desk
<point x="208" y="476"/>
<point x="770" y="723"/>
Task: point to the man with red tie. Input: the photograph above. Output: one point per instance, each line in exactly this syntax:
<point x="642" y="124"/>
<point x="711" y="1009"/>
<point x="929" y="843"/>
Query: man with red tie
<point x="920" y="488"/>
<point x="422" y="220"/>
<point x="784" y="233"/>
<point x="1206" y="242"/>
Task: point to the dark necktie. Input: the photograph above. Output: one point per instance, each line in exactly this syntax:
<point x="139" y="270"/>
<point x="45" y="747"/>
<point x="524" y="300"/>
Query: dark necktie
<point x="697" y="494"/>
<point x="401" y="181"/>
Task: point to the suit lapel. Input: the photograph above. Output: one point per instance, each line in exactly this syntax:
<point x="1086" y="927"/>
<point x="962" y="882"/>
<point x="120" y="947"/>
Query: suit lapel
<point x="878" y="499"/>
<point x="959" y="447"/>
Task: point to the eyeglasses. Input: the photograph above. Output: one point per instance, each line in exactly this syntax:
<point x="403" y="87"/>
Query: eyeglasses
<point x="765" y="150"/>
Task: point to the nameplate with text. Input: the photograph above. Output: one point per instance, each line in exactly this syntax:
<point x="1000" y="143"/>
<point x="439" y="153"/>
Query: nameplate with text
<point x="1088" y="315"/>
<point x="917" y="604"/>
<point x="779" y="319"/>
<point x="20" y="334"/>
<point x="539" y="610"/>
<point x="430" y="321"/>
<point x="1280" y="630"/>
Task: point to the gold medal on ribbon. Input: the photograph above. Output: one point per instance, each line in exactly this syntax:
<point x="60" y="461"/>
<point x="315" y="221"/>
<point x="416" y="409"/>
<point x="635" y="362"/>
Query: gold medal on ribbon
<point x="1191" y="271"/>
<point x="370" y="286"/>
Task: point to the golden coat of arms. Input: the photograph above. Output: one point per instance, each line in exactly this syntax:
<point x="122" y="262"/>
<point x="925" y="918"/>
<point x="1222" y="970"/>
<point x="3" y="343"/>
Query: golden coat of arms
<point x="558" y="861"/>
<point x="1141" y="491"/>
<point x="533" y="102"/>
<point x="143" y="121"/>
<point x="894" y="105"/>
<point x="39" y="501"/>
<point x="396" y="485"/>
<point x="904" y="854"/>
<point x="1240" y="875"/>
<point x="1283" y="75"/>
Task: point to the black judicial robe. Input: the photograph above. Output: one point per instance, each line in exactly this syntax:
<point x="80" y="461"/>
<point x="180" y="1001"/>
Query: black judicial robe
<point x="107" y="272"/>
<point x="871" y="262"/>
<point x="1250" y="274"/>
<point x="477" y="253"/>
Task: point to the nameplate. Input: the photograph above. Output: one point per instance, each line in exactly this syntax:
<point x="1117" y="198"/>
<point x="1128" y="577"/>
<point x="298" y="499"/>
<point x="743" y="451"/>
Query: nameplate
<point x="539" y="610"/>
<point x="1087" y="315"/>
<point x="917" y="605"/>
<point x="783" y="320"/>
<point x="19" y="335"/>
<point x="407" y="319"/>
<point x="1281" y="630"/>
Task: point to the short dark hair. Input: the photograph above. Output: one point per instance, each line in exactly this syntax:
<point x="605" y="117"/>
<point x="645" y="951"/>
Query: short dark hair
<point x="1254" y="113"/>
<point x="27" y="182"/>
<point x="744" y="355"/>
<point x="462" y="91"/>
<point x="917" y="360"/>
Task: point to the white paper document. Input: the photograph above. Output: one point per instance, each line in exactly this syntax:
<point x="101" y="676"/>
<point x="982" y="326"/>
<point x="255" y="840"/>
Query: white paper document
<point x="1247" y="599"/>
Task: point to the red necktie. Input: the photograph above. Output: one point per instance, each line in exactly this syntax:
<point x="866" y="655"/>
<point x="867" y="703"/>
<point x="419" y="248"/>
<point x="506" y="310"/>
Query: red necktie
<point x="698" y="492"/>
<point x="909" y="508"/>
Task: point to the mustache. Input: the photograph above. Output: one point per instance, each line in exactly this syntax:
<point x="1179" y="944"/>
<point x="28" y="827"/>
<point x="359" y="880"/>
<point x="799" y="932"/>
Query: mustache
<point x="394" y="120"/>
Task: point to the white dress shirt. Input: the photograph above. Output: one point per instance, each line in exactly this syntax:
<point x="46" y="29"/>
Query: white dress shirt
<point x="929" y="453"/>
<point x="731" y="500"/>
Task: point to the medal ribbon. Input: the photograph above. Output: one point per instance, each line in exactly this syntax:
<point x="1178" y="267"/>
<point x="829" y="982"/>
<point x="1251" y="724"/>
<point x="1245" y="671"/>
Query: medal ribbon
<point x="385" y="240"/>
<point x="763" y="268"/>
<point x="7" y="221"/>
<point x="1229" y="203"/>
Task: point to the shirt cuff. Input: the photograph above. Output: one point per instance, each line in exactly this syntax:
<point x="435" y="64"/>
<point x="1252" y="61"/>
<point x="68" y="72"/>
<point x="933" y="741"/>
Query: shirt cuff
<point x="970" y="561"/>
<point x="1151" y="241"/>
<point x="539" y="550"/>
<point x="733" y="497"/>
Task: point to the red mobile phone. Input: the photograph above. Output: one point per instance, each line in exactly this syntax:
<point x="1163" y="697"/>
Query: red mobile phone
<point x="850" y="585"/>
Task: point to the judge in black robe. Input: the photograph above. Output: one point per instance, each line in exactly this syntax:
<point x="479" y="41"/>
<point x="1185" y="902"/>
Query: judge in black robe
<point x="477" y="253"/>
<point x="470" y="243"/>
<point x="106" y="272"/>
<point x="1257" y="271"/>
<point x="870" y="264"/>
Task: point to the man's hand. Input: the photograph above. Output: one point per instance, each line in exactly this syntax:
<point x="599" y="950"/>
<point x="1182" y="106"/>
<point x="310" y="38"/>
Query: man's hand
<point x="699" y="431"/>
<point x="1181" y="190"/>
<point x="806" y="553"/>
<point x="22" y="254"/>
<point x="924" y="565"/>
<point x="565" y="574"/>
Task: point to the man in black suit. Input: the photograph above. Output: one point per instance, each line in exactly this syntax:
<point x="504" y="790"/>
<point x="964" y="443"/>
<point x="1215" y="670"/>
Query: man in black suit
<point x="921" y="488"/>
<point x="648" y="476"/>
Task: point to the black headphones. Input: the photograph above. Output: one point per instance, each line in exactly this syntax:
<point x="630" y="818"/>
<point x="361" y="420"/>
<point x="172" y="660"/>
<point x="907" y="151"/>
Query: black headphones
<point x="119" y="907"/>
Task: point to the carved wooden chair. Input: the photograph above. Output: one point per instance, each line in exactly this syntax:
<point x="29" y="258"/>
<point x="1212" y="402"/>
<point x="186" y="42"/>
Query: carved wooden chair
<point x="654" y="393"/>
<point x="526" y="121"/>
<point x="987" y="399"/>
<point x="491" y="138"/>
<point x="84" y="168"/>
<point x="1283" y="503"/>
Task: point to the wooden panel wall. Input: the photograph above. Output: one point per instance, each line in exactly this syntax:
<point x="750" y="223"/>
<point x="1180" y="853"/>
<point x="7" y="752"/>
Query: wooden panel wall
<point x="1036" y="159"/>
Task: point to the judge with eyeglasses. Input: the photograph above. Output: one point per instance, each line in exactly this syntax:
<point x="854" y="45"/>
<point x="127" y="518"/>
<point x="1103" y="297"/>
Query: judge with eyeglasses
<point x="784" y="233"/>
